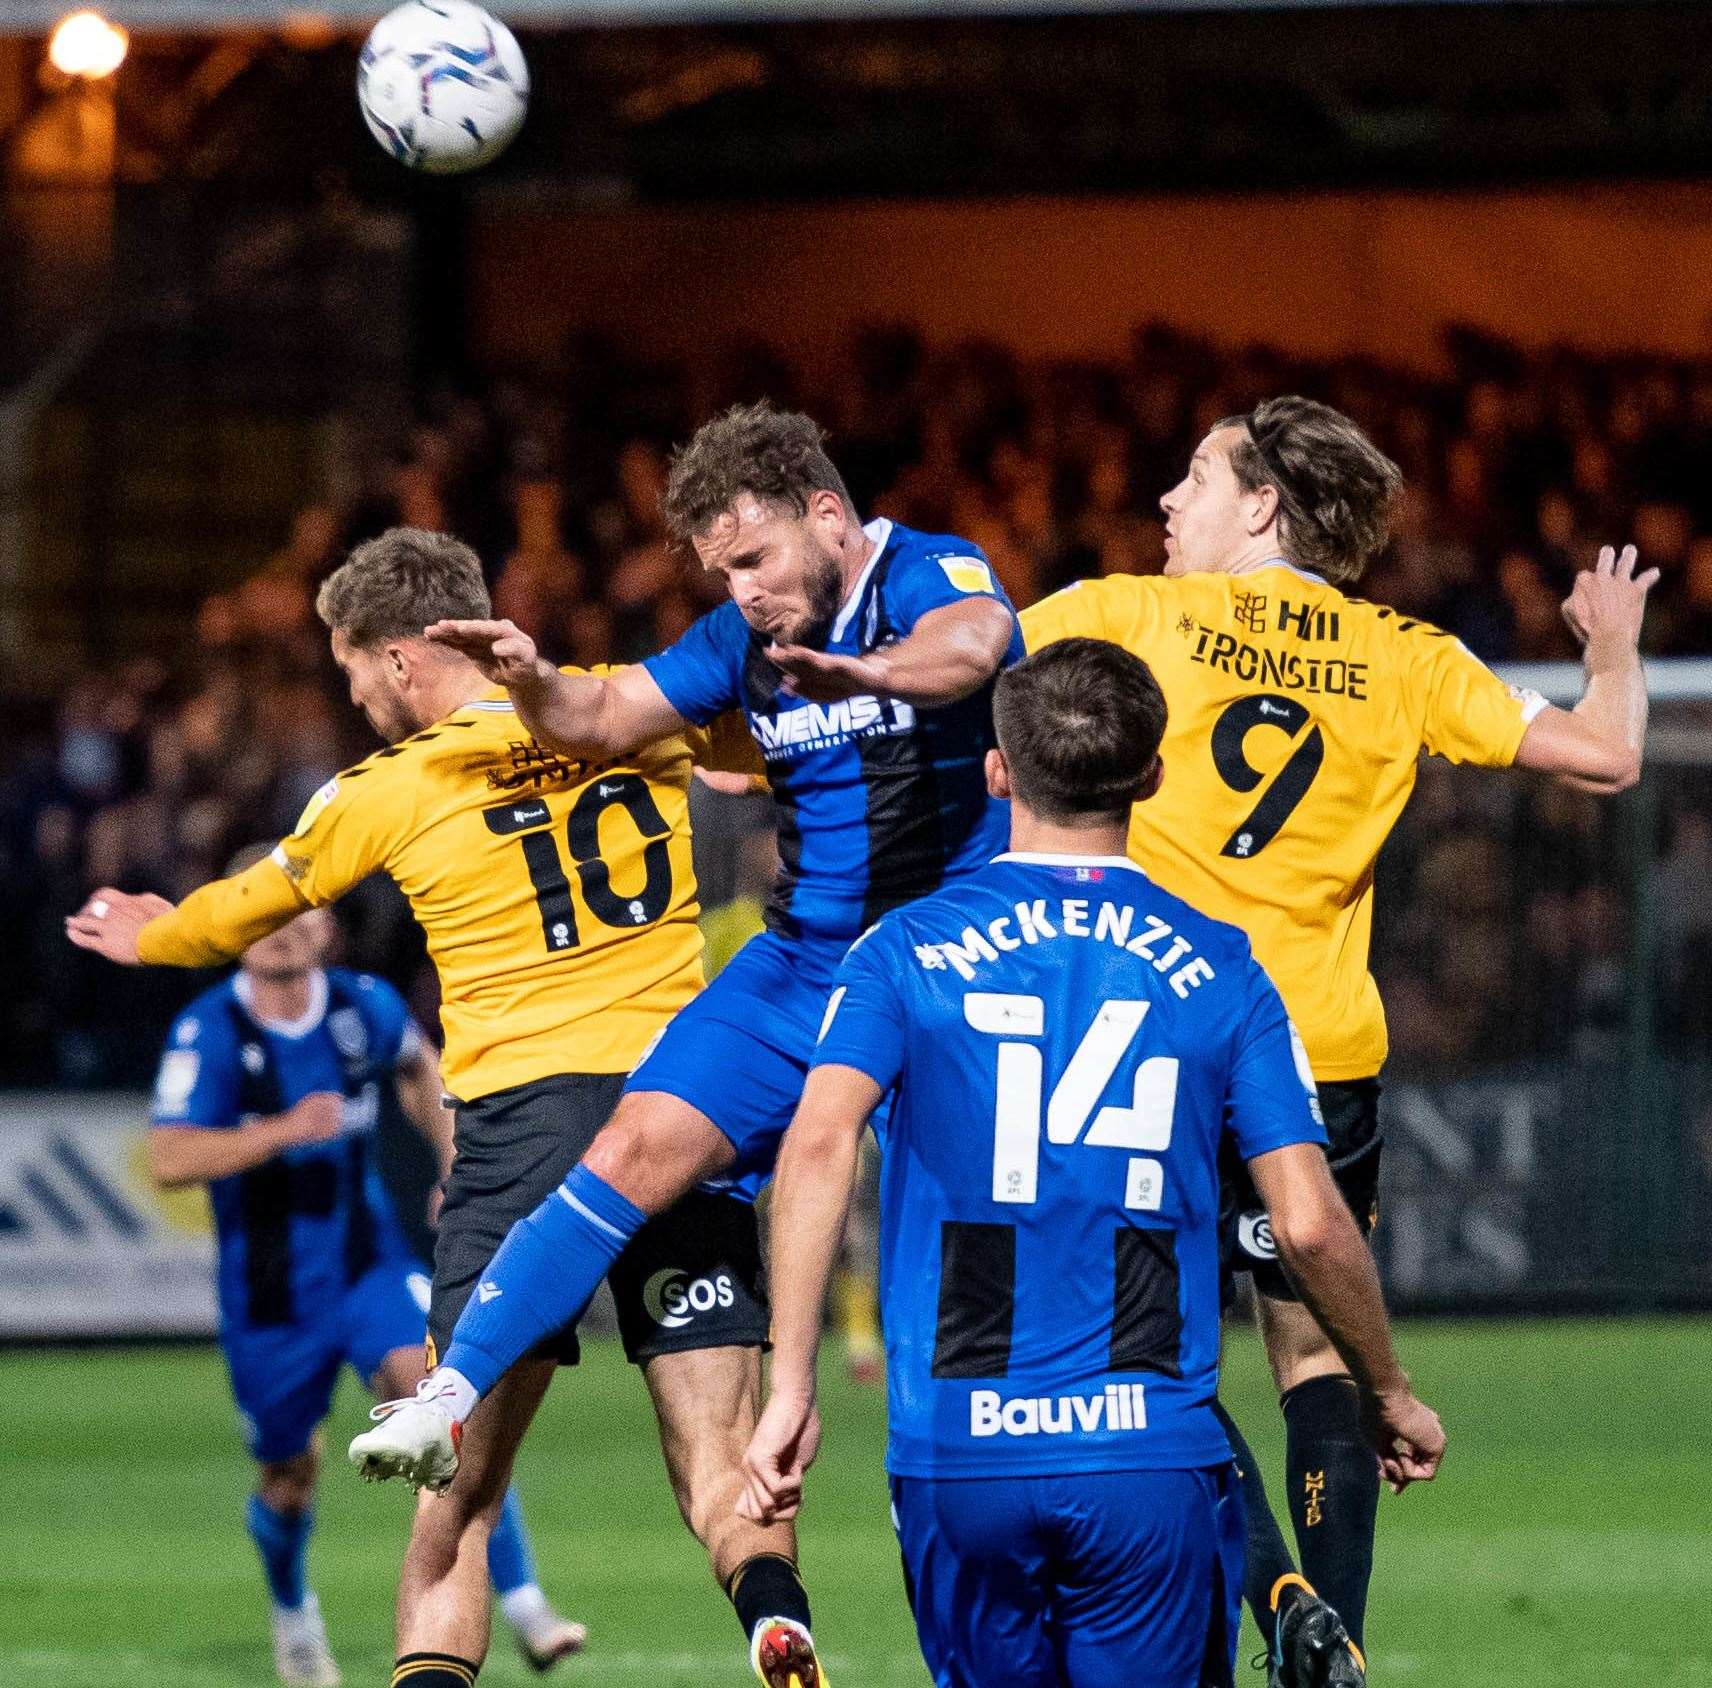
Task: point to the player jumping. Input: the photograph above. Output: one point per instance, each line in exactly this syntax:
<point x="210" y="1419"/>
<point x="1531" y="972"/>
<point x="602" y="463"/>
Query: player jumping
<point x="864" y="658"/>
<point x="269" y="1093"/>
<point x="1298" y="714"/>
<point x="1069" y="1047"/>
<point x="559" y="905"/>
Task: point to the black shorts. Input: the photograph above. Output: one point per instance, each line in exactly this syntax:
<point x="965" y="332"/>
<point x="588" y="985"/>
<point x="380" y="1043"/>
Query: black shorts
<point x="1354" y="1145"/>
<point x="690" y="1278"/>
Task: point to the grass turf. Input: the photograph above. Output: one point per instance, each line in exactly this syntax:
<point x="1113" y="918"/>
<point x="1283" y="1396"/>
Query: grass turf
<point x="1567" y="1543"/>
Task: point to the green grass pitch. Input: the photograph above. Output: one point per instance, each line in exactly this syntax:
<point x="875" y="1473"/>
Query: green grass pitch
<point x="1567" y="1545"/>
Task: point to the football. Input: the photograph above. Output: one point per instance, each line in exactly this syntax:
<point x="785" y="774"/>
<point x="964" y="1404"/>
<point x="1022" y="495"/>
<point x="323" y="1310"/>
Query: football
<point x="443" y="85"/>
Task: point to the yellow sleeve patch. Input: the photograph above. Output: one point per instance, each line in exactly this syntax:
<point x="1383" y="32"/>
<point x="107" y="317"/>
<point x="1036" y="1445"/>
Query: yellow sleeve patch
<point x="967" y="574"/>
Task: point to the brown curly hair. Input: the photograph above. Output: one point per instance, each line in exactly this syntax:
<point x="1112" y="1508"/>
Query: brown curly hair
<point x="777" y="455"/>
<point x="393" y="586"/>
<point x="1335" y="486"/>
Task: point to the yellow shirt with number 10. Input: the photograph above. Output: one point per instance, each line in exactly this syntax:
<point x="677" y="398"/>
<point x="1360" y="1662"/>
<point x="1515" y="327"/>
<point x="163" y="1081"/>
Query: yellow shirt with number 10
<point x="558" y="897"/>
<point x="1297" y="715"/>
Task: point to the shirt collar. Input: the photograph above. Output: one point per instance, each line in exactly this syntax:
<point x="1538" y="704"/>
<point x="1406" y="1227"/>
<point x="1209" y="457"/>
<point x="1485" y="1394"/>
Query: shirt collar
<point x="304" y="1024"/>
<point x="879" y="531"/>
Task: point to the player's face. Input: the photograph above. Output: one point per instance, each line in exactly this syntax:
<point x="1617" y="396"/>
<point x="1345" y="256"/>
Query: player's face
<point x="295" y="949"/>
<point x="377" y="686"/>
<point x="785" y="572"/>
<point x="1206" y="519"/>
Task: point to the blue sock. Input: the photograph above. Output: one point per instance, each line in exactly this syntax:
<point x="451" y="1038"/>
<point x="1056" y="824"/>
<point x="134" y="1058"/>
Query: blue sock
<point x="510" y="1563"/>
<point x="281" y="1539"/>
<point x="543" y="1277"/>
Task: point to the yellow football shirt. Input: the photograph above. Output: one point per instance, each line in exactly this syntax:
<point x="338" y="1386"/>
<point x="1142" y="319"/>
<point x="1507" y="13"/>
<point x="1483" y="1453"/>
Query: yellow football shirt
<point x="1297" y="715"/>
<point x="558" y="898"/>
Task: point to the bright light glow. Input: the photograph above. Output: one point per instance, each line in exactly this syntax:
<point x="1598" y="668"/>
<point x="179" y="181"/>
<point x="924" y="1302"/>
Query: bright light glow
<point x="86" y="44"/>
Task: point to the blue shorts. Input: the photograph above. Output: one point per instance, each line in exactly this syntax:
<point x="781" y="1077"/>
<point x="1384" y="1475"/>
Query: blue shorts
<point x="283" y="1375"/>
<point x="740" y="1051"/>
<point x="1131" y="1577"/>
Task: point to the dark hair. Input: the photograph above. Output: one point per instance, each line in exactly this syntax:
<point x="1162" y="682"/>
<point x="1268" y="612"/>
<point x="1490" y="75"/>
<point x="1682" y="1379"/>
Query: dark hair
<point x="1335" y="486"/>
<point x="407" y="579"/>
<point x="777" y="455"/>
<point x="1080" y="723"/>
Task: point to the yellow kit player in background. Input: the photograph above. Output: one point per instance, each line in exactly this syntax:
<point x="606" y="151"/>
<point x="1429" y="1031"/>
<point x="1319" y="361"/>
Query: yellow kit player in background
<point x="1297" y="716"/>
<point x="559" y="904"/>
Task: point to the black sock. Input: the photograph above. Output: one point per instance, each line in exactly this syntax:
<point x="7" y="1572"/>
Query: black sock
<point x="1334" y="1493"/>
<point x="767" y="1586"/>
<point x="1268" y="1556"/>
<point x="433" y="1670"/>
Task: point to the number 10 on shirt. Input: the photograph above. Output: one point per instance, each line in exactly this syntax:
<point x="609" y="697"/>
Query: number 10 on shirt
<point x="1145" y="1125"/>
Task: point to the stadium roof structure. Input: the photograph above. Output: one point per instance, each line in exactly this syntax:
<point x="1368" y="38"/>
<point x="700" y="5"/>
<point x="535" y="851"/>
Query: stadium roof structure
<point x="30" y="17"/>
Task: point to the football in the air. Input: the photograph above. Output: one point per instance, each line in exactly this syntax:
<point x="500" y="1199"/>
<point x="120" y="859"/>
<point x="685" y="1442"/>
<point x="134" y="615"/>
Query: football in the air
<point x="443" y="85"/>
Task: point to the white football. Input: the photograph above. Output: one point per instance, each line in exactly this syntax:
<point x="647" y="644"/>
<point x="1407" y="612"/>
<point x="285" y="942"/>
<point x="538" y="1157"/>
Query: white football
<point x="443" y="85"/>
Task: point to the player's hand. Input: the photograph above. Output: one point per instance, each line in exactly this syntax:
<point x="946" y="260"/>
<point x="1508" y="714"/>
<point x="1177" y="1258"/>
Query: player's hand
<point x="822" y="678"/>
<point x="110" y="921"/>
<point x="781" y="1450"/>
<point x="1607" y="603"/>
<point x="1408" y="1436"/>
<point x="318" y="1117"/>
<point x="504" y="653"/>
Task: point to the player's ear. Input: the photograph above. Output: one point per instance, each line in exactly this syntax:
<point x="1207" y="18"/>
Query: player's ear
<point x="998" y="775"/>
<point x="1262" y="508"/>
<point x="828" y="513"/>
<point x="1155" y="779"/>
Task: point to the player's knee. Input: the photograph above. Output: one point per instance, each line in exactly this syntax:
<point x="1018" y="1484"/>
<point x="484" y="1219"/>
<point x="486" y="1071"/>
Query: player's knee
<point x="654" y="1148"/>
<point x="619" y="1155"/>
<point x="288" y="1485"/>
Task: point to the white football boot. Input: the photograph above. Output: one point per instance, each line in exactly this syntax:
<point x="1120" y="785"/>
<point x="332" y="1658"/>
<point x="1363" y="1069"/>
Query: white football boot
<point x="301" y="1655"/>
<point x="416" y="1439"/>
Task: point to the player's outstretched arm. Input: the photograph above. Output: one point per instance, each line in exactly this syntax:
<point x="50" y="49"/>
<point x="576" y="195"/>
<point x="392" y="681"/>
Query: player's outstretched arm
<point x="949" y="653"/>
<point x="585" y="716"/>
<point x="811" y="1204"/>
<point x="1597" y="746"/>
<point x="214" y="924"/>
<point x="192" y="1154"/>
<point x="1331" y="1266"/>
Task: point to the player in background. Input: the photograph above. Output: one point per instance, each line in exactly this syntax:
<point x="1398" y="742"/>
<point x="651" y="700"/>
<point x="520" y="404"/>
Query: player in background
<point x="1068" y="1048"/>
<point x="864" y="659"/>
<point x="269" y="1093"/>
<point x="1298" y="714"/>
<point x="559" y="905"/>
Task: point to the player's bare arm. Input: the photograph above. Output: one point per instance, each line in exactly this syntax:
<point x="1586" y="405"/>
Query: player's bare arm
<point x="1597" y="746"/>
<point x="190" y="1154"/>
<point x="216" y="923"/>
<point x="585" y="716"/>
<point x="811" y="1206"/>
<point x="1331" y="1266"/>
<point x="951" y="652"/>
<point x="422" y="1097"/>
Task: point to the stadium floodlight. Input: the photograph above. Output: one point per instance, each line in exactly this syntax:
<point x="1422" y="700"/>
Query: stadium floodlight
<point x="86" y="44"/>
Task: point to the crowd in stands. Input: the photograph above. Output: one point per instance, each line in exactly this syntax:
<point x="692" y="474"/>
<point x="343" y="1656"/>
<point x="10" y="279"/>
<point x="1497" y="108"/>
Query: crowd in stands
<point x="1518" y="467"/>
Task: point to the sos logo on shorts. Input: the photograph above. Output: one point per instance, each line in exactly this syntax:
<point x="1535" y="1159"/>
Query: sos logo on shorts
<point x="673" y="1298"/>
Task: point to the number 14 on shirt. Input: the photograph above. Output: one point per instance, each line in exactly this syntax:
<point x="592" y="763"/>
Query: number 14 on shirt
<point x="1145" y="1125"/>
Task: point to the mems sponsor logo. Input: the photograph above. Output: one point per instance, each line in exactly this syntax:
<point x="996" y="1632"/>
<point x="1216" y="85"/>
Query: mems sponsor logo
<point x="823" y="726"/>
<point x="1119" y="1406"/>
